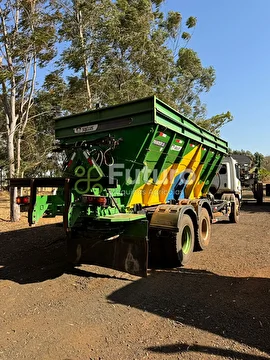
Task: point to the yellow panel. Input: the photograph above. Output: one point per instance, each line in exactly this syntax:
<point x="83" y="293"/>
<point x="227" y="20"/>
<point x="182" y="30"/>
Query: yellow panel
<point x="152" y="190"/>
<point x="196" y="168"/>
<point x="178" y="169"/>
<point x="153" y="194"/>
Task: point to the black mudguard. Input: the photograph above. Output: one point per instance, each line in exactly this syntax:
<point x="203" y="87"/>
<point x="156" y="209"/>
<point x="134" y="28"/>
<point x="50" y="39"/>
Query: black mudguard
<point x="125" y="249"/>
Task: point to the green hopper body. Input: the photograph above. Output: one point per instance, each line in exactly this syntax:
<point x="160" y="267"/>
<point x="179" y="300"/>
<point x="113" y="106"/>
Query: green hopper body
<point x="124" y="162"/>
<point x="155" y="153"/>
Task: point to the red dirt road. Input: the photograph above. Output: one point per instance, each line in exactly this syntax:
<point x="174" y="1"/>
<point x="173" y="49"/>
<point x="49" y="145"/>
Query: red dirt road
<point x="218" y="307"/>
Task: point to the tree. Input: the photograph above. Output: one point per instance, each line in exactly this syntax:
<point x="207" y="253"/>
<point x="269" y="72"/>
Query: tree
<point x="3" y="142"/>
<point x="215" y="123"/>
<point x="38" y="156"/>
<point x="83" y="32"/>
<point x="26" y="44"/>
<point x="243" y="152"/>
<point x="257" y="160"/>
<point x="127" y="49"/>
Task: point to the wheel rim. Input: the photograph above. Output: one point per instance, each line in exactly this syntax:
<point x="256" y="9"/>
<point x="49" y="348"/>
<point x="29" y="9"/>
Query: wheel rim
<point x="204" y="229"/>
<point x="237" y="208"/>
<point x="186" y="240"/>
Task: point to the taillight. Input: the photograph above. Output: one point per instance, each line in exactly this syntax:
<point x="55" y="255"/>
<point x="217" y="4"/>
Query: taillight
<point x="94" y="200"/>
<point x="23" y="200"/>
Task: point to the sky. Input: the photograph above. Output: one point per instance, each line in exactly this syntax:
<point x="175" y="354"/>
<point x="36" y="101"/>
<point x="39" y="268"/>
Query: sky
<point x="233" y="36"/>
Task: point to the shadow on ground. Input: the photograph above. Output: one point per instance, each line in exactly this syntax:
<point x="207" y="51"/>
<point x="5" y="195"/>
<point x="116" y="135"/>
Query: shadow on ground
<point x="234" y="308"/>
<point x="32" y="255"/>
<point x="253" y="207"/>
<point x="185" y="348"/>
<point x="36" y="254"/>
<point x="39" y="253"/>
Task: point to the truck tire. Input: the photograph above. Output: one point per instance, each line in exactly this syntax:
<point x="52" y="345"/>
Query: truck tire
<point x="162" y="254"/>
<point x="259" y="196"/>
<point x="204" y="230"/>
<point x="234" y="215"/>
<point x="185" y="239"/>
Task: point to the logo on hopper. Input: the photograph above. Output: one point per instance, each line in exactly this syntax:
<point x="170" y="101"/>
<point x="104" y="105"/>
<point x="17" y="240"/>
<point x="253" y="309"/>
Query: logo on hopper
<point x="85" y="129"/>
<point x="83" y="185"/>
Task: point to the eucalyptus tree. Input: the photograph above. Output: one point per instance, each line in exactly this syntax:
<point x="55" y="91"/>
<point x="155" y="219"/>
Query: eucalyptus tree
<point x="27" y="40"/>
<point x="126" y="49"/>
<point x="138" y="61"/>
<point x="83" y="36"/>
<point x="3" y="142"/>
<point x="38" y="156"/>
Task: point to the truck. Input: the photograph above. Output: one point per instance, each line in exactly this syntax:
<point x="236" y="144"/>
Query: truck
<point x="227" y="180"/>
<point x="249" y="177"/>
<point x="135" y="189"/>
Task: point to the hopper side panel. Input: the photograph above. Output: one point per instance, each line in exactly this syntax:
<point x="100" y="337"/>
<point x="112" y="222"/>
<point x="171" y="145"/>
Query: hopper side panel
<point x="93" y="124"/>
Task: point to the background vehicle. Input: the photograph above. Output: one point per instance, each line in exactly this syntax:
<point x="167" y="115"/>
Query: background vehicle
<point x="227" y="182"/>
<point x="249" y="177"/>
<point x="135" y="187"/>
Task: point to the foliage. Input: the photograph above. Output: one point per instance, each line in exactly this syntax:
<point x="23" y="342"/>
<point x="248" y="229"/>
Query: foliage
<point x="110" y="51"/>
<point x="215" y="123"/>
<point x="257" y="158"/>
<point x="27" y="38"/>
<point x="242" y="152"/>
<point x="264" y="172"/>
<point x="264" y="175"/>
<point x="266" y="163"/>
<point x="26" y="43"/>
<point x="123" y="50"/>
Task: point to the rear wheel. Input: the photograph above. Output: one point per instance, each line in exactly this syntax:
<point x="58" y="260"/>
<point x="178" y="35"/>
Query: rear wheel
<point x="259" y="193"/>
<point x="185" y="239"/>
<point x="204" y="230"/>
<point x="235" y="211"/>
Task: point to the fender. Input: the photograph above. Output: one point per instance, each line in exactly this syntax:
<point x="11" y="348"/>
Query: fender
<point x="167" y="217"/>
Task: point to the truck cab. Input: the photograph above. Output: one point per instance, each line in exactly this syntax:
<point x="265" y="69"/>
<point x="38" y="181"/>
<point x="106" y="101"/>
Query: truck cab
<point x="227" y="179"/>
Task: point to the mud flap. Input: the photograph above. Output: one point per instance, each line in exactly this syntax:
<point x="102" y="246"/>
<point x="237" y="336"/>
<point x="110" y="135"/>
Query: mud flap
<point x="125" y="251"/>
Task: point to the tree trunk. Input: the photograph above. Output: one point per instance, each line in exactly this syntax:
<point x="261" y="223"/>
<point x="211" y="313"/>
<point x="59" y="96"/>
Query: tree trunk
<point x="85" y="61"/>
<point x="18" y="169"/>
<point x="18" y="156"/>
<point x="14" y="208"/>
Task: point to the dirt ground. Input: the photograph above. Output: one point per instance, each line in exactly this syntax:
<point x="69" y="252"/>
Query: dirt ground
<point x="218" y="307"/>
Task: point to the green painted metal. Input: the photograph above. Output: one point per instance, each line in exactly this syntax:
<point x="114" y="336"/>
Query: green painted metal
<point x="129" y="115"/>
<point x="186" y="240"/>
<point x="121" y="159"/>
<point x="146" y="145"/>
<point x="40" y="208"/>
<point x="51" y="205"/>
